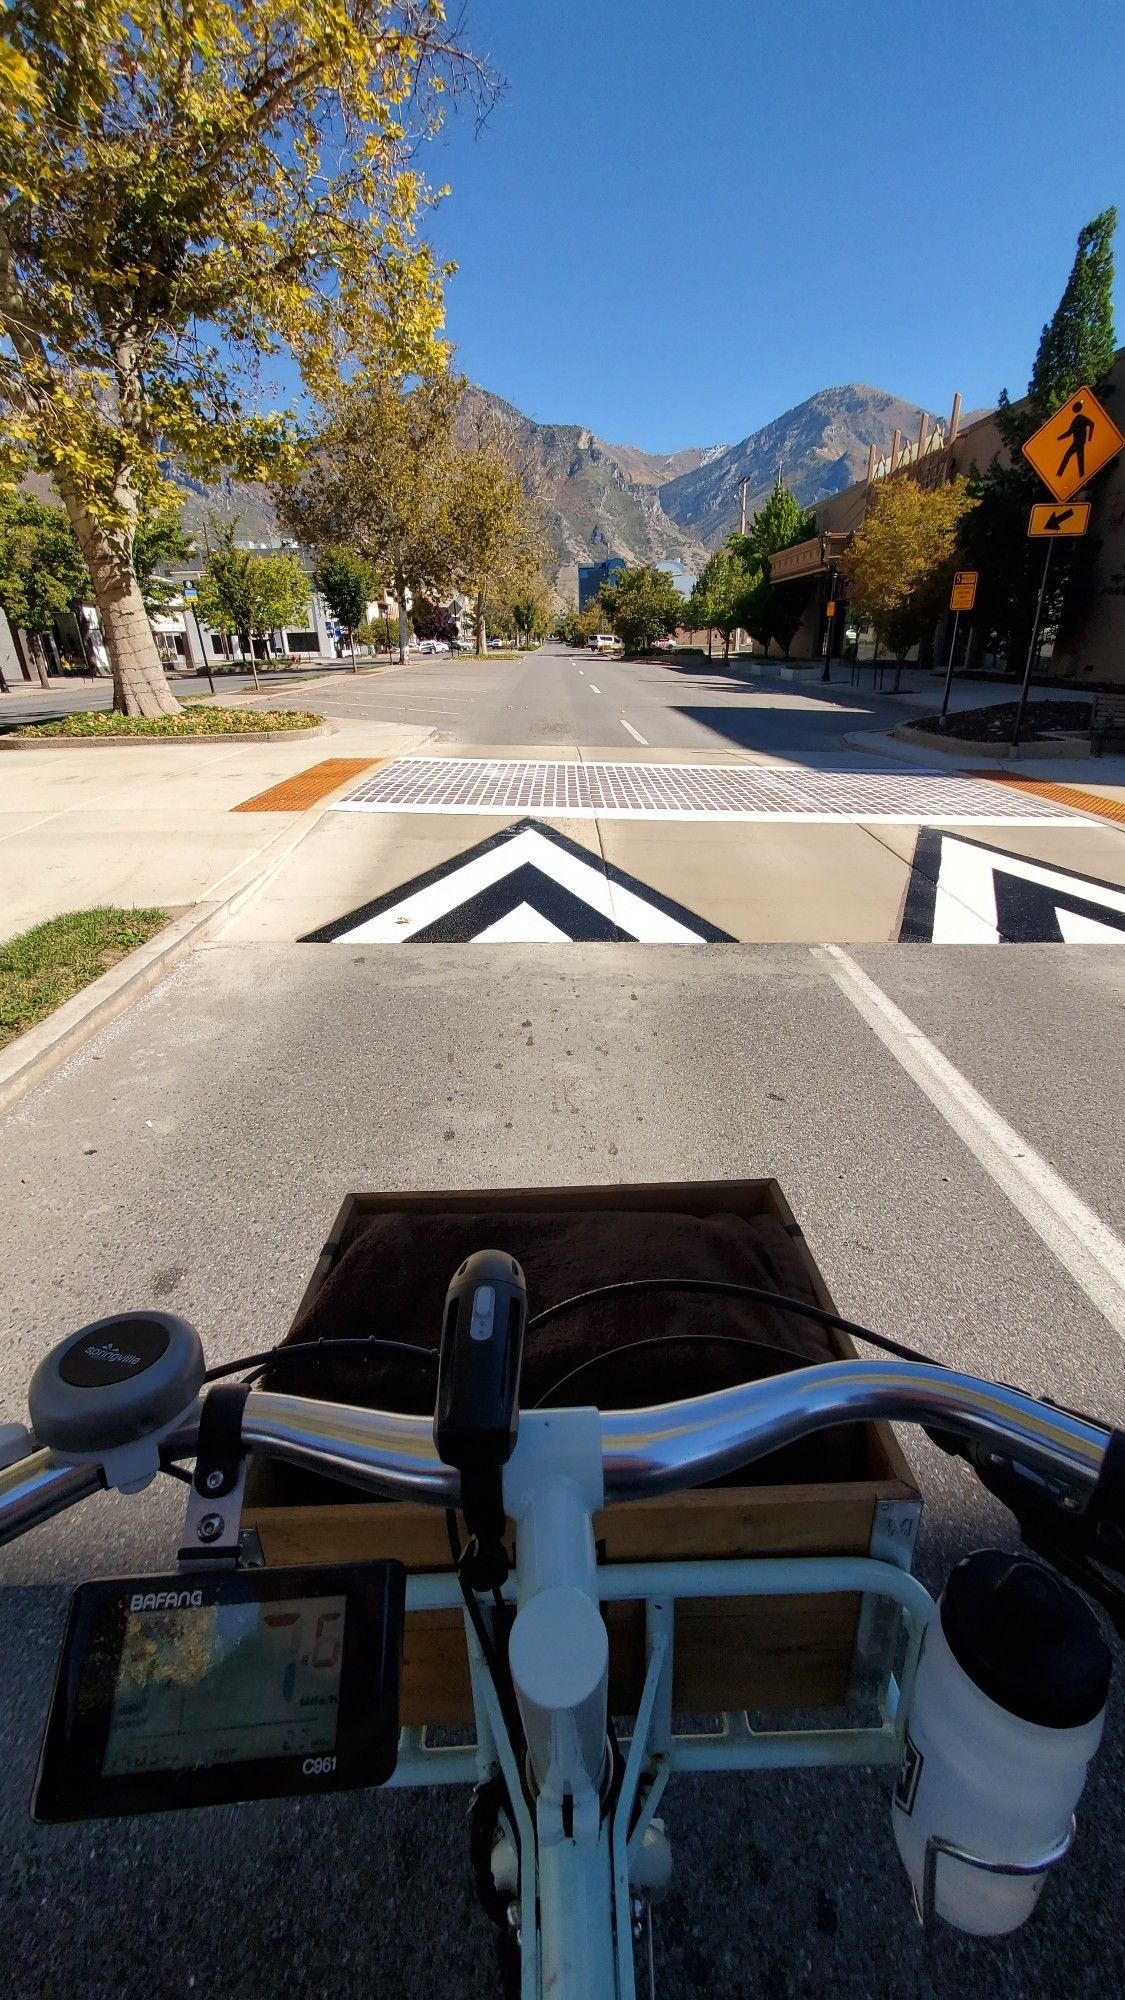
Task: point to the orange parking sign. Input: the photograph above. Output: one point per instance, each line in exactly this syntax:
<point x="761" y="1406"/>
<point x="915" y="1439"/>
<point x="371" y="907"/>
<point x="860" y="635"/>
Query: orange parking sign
<point x="1072" y="445"/>
<point x="964" y="593"/>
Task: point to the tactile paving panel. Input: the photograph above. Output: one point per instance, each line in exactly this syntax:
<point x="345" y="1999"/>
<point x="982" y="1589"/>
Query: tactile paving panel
<point x="306" y="788"/>
<point x="690" y="792"/>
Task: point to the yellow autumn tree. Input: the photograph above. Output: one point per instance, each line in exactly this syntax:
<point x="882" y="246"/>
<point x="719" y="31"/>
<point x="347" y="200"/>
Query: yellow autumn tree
<point x="187" y="187"/>
<point x="899" y="567"/>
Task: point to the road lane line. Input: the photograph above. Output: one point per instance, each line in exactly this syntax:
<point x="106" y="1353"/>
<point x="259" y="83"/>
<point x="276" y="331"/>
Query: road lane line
<point x="634" y="732"/>
<point x="593" y="689"/>
<point x="1082" y="1243"/>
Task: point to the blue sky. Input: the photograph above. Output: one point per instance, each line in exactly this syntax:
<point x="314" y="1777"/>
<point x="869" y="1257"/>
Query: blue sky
<point x="681" y="220"/>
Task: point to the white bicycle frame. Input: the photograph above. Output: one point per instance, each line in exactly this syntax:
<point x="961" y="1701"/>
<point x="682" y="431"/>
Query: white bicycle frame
<point x="580" y="1870"/>
<point x="579" y="1865"/>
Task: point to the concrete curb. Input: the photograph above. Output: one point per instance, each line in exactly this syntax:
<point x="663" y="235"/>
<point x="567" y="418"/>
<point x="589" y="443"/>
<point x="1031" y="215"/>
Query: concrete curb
<point x="30" y="1059"/>
<point x="161" y="742"/>
<point x="956" y="746"/>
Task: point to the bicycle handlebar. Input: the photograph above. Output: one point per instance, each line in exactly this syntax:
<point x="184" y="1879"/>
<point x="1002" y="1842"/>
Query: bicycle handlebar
<point x="662" y="1449"/>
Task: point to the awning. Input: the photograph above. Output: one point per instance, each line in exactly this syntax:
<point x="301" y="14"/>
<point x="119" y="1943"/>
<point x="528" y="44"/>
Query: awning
<point x="811" y="558"/>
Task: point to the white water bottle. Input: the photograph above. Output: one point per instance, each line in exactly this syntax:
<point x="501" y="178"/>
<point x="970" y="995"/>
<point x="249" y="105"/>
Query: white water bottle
<point x="1006" y="1712"/>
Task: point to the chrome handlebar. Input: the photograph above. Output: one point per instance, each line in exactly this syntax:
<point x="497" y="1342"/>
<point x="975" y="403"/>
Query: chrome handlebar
<point x="658" y="1450"/>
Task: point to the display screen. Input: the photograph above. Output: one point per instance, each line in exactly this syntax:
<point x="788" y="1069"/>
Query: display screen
<point x="215" y="1684"/>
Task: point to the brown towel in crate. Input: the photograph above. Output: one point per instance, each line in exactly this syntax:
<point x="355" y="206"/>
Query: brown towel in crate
<point x="391" y="1279"/>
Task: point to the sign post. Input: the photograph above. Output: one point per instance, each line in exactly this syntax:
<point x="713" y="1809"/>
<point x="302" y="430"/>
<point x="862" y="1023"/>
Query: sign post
<point x="1066" y="451"/>
<point x="962" y="597"/>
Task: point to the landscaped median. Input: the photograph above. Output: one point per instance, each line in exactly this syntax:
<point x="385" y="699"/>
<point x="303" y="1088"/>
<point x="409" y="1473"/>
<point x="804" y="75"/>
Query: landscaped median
<point x="48" y="965"/>
<point x="195" y="719"/>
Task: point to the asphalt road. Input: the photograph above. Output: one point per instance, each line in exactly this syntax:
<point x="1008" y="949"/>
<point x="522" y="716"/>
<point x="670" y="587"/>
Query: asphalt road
<point x="196" y="1152"/>
<point x="554" y="697"/>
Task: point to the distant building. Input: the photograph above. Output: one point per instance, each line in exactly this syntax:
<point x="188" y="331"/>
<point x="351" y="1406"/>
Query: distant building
<point x="685" y="579"/>
<point x="591" y="577"/>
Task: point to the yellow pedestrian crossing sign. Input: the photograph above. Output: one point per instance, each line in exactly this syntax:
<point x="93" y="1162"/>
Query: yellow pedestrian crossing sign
<point x="1047" y="519"/>
<point x="1072" y="445"/>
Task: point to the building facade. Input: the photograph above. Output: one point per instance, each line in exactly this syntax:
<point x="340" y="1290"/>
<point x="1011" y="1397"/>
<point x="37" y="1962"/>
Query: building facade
<point x="591" y="577"/>
<point x="1091" y="645"/>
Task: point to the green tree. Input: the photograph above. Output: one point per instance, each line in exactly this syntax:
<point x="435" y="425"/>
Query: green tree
<point x="1076" y="347"/>
<point x="375" y="479"/>
<point x="531" y="613"/>
<point x="160" y="539"/>
<point x="722" y="593"/>
<point x="187" y="186"/>
<point x="899" y="567"/>
<point x="42" y="573"/>
<point x="640" y="605"/>
<point x="773" y="611"/>
<point x="378" y="632"/>
<point x="347" y="585"/>
<point x="244" y="592"/>
<point x="489" y="525"/>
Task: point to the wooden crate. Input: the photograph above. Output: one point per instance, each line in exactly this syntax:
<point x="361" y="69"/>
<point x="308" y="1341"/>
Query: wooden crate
<point x="763" y="1653"/>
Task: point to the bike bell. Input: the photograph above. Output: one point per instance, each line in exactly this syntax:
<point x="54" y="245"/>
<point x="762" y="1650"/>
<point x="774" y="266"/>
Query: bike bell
<point x="1004" y="1717"/>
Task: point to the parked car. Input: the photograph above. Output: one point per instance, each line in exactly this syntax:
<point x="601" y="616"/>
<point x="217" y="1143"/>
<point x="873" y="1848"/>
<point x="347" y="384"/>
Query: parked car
<point x="664" y="646"/>
<point x="606" y="642"/>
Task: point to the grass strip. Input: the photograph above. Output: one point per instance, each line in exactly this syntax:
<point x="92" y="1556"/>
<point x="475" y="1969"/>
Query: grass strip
<point x="49" y="964"/>
<point x="194" y="719"/>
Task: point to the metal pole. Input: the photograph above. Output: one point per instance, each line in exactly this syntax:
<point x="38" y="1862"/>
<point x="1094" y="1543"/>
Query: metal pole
<point x="826" y="675"/>
<point x="949" y="668"/>
<point x="1032" y="652"/>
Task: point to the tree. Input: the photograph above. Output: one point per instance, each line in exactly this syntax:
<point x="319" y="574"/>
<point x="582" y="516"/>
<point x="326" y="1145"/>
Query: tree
<point x="640" y="605"/>
<point x="722" y="593"/>
<point x="773" y="611"/>
<point x="187" y="186"/>
<point x="160" y="538"/>
<point x="42" y="573"/>
<point x="1076" y="347"/>
<point x="241" y="591"/>
<point x="377" y="632"/>
<point x="433" y="621"/>
<point x="531" y="613"/>
<point x="489" y="525"/>
<point x="375" y="476"/>
<point x="899" y="567"/>
<point x="347" y="585"/>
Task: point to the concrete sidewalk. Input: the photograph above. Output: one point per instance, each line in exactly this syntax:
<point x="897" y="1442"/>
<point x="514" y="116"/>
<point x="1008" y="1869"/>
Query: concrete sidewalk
<point x="153" y="824"/>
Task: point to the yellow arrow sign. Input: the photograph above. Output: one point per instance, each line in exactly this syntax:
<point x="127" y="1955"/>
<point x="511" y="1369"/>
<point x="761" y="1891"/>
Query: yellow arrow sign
<point x="1072" y="445"/>
<point x="1047" y="519"/>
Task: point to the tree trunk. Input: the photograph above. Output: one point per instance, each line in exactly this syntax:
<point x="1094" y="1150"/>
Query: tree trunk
<point x="139" y="683"/>
<point x="351" y="642"/>
<point x="400" y="593"/>
<point x="480" y="636"/>
<point x="710" y="636"/>
<point x="39" y="658"/>
<point x="253" y="660"/>
<point x="726" y="648"/>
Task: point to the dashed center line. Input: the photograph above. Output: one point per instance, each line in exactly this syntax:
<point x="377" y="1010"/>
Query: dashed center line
<point x="593" y="689"/>
<point x="634" y="732"/>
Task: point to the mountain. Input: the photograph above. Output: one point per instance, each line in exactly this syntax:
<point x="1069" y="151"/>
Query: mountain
<point x="600" y="499"/>
<point x="820" y="446"/>
<point x="597" y="499"/>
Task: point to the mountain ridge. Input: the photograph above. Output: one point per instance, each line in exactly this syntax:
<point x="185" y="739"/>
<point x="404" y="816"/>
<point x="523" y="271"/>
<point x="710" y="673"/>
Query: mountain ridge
<point x="600" y="499"/>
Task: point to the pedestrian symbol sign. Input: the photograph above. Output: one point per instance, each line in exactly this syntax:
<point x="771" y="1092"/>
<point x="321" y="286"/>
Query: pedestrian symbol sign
<point x="1072" y="445"/>
<point x="964" y="593"/>
<point x="1047" y="519"/>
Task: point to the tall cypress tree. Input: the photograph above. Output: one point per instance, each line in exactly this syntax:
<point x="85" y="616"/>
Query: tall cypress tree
<point x="1075" y="347"/>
